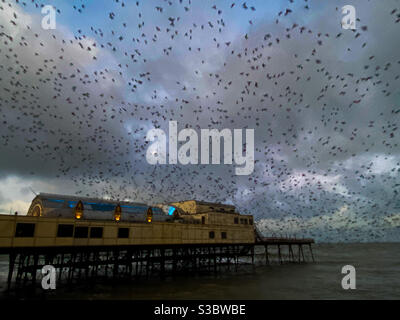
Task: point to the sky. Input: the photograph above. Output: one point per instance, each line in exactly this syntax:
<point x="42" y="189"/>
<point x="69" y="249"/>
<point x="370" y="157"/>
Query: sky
<point x="76" y="103"/>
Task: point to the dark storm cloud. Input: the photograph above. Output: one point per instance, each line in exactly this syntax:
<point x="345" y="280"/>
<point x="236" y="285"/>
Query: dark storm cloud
<point x="323" y="101"/>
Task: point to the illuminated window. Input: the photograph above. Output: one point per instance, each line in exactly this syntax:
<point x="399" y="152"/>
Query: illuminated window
<point x="96" y="232"/>
<point x="25" y="230"/>
<point x="171" y="211"/>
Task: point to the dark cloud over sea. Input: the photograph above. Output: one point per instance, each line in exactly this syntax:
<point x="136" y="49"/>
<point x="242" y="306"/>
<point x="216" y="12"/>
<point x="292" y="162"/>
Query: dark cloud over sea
<point x="76" y="104"/>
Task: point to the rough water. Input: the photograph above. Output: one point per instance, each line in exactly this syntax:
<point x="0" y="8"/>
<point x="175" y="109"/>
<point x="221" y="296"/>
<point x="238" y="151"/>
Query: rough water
<point x="377" y="277"/>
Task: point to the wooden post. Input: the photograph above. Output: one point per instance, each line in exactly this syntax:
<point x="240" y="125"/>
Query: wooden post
<point x="25" y="268"/>
<point x="299" y="253"/>
<point x="107" y="262"/>
<point x="116" y="263"/>
<point x="302" y="253"/>
<point x="130" y="268"/>
<point x="148" y="263"/>
<point x="209" y="258"/>
<point x="291" y="255"/>
<point x="279" y="254"/>
<point x="236" y="257"/>
<point x="88" y="256"/>
<point x="215" y="261"/>
<point x="12" y="258"/>
<point x="174" y="262"/>
<point x="34" y="271"/>
<point x="312" y="256"/>
<point x="61" y="267"/>
<point x="162" y="263"/>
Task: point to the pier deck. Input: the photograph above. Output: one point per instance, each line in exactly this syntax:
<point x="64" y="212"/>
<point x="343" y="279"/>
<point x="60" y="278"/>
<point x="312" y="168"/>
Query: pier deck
<point x="77" y="263"/>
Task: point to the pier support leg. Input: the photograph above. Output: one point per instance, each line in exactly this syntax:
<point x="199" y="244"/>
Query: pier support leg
<point x="148" y="263"/>
<point x="312" y="256"/>
<point x="215" y="261"/>
<point x="174" y="263"/>
<point x="116" y="263"/>
<point x="162" y="263"/>
<point x="130" y="254"/>
<point x="302" y="253"/>
<point x="299" y="253"/>
<point x="291" y="255"/>
<point x="61" y="267"/>
<point x="252" y="256"/>
<point x="279" y="254"/>
<point x="35" y="266"/>
<point x="87" y="267"/>
<point x="12" y="258"/>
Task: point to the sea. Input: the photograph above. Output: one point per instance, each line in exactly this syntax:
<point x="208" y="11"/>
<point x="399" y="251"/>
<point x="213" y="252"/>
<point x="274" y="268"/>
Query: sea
<point x="377" y="268"/>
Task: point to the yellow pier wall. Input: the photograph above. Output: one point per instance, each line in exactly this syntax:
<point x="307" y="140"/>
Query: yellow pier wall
<point x="45" y="232"/>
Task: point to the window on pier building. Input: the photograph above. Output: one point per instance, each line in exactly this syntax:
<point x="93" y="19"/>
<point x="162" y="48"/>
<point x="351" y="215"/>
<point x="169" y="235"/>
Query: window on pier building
<point x="203" y="220"/>
<point x="212" y="234"/>
<point x="25" y="230"/>
<point x="81" y="232"/>
<point x="65" y="230"/>
<point x="251" y="221"/>
<point x="236" y="220"/>
<point x="96" y="232"/>
<point x="223" y="235"/>
<point x="123" y="232"/>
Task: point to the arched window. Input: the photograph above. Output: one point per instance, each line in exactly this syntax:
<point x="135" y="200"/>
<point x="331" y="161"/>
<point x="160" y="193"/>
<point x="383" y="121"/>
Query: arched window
<point x="37" y="211"/>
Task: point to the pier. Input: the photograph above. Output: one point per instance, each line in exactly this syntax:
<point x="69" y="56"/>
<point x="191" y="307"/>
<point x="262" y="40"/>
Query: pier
<point x="133" y="262"/>
<point x="92" y="239"/>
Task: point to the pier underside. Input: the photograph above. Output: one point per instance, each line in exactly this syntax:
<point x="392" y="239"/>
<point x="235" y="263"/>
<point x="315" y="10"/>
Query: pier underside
<point x="90" y="263"/>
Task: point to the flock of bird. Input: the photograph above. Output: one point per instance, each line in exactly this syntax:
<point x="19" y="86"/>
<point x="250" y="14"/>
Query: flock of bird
<point x="76" y="104"/>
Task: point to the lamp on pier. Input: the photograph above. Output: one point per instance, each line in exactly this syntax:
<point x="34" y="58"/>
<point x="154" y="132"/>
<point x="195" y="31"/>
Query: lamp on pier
<point x="149" y="215"/>
<point x="117" y="213"/>
<point x="79" y="210"/>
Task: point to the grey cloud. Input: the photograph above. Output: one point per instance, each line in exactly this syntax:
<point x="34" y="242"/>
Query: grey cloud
<point x="311" y="116"/>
